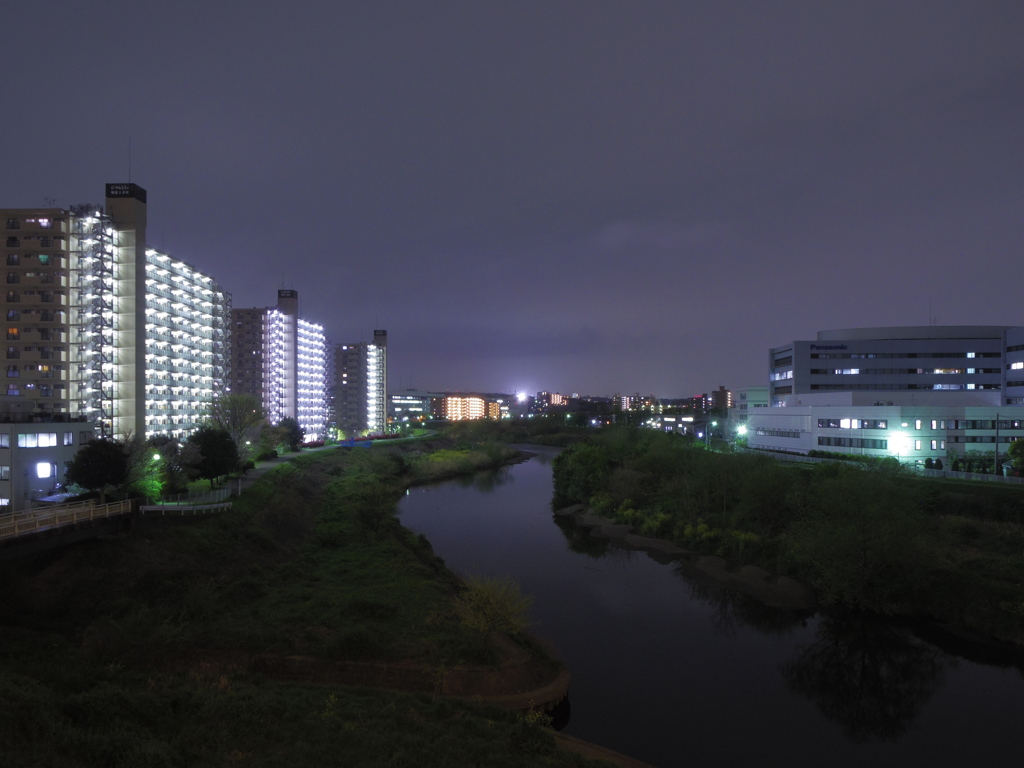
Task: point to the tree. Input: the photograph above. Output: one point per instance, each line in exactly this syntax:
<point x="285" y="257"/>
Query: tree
<point x="861" y="539"/>
<point x="99" y="465"/>
<point x="240" y="416"/>
<point x="292" y="433"/>
<point x="219" y="454"/>
<point x="1016" y="454"/>
<point x="177" y="463"/>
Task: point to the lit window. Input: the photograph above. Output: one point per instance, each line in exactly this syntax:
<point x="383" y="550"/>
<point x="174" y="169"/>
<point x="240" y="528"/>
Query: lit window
<point x="917" y="445"/>
<point x="44" y="469"/>
<point x="917" y="424"/>
<point x="935" y="445"/>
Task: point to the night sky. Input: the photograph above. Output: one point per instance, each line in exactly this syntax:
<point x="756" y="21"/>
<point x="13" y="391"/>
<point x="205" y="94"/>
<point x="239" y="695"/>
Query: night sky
<point x="580" y="196"/>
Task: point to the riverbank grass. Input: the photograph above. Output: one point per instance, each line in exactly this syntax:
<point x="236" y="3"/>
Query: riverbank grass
<point x="133" y="652"/>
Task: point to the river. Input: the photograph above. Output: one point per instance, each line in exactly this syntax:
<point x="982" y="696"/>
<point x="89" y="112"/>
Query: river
<point x="675" y="671"/>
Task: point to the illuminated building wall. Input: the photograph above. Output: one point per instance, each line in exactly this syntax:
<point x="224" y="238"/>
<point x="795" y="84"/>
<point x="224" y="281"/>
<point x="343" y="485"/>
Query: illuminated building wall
<point x="639" y="402"/>
<point x="463" y="408"/>
<point x="311" y="391"/>
<point x="360" y="385"/>
<point x="105" y="328"/>
<point x="281" y="359"/>
<point x="186" y="345"/>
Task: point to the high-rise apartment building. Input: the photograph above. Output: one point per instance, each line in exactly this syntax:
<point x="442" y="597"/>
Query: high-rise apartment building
<point x="282" y="359"/>
<point x="101" y="326"/>
<point x="361" y="385"/>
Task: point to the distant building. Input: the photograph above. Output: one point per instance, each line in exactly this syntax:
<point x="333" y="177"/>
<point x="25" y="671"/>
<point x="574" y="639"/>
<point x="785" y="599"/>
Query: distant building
<point x="467" y="406"/>
<point x="360" y="386"/>
<point x="637" y="402"/>
<point x="547" y="399"/>
<point x="721" y="399"/>
<point x="411" y="406"/>
<point x="281" y="359"/>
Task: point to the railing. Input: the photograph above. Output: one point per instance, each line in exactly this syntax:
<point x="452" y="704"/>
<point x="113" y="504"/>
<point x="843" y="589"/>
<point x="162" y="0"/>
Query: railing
<point x="31" y="521"/>
<point x="194" y="497"/>
<point x="196" y="509"/>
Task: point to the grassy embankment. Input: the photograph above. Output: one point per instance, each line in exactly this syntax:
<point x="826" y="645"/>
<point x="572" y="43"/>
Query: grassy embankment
<point x="137" y="651"/>
<point x="878" y="539"/>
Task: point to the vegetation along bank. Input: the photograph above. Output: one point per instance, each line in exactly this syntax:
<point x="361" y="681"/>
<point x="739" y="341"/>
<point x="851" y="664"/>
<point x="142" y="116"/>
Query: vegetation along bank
<point x="234" y="640"/>
<point x="867" y="538"/>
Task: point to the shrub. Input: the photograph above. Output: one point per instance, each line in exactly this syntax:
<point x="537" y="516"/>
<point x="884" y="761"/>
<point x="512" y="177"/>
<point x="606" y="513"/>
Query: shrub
<point x="494" y="605"/>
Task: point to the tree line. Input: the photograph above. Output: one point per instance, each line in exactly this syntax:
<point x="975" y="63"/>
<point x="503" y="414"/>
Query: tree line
<point x="866" y="537"/>
<point x="234" y="436"/>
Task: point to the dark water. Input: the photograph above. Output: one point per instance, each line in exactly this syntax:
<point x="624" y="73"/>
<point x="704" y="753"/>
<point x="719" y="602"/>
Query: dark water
<point x="677" y="672"/>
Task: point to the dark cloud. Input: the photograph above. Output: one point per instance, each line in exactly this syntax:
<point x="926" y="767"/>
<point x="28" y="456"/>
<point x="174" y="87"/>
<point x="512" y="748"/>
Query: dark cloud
<point x="581" y="195"/>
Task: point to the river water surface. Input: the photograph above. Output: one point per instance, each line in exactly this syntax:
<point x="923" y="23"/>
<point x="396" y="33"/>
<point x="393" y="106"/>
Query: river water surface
<point x="676" y="672"/>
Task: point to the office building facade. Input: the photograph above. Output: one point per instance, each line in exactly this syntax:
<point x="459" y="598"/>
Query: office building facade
<point x="924" y="392"/>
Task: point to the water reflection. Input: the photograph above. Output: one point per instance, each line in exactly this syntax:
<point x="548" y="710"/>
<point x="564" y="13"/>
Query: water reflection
<point x="872" y="678"/>
<point x="651" y="647"/>
<point x="734" y="609"/>
<point x="580" y="540"/>
<point x="486" y="481"/>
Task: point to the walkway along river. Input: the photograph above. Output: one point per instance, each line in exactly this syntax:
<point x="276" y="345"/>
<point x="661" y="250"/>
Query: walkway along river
<point x="676" y="671"/>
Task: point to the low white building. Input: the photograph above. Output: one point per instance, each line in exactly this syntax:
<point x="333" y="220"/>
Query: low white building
<point x="916" y="393"/>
